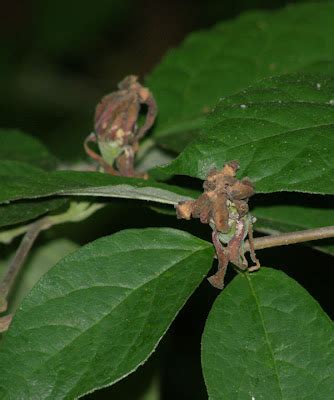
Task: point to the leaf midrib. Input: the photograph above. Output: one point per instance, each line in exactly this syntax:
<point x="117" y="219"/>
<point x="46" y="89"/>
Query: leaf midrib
<point x="270" y="349"/>
<point x="115" y="306"/>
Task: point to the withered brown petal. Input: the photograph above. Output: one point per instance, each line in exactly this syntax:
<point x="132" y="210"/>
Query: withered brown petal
<point x="203" y="202"/>
<point x="184" y="209"/>
<point x="241" y="190"/>
<point x="242" y="207"/>
<point x="220" y="212"/>
<point x="231" y="168"/>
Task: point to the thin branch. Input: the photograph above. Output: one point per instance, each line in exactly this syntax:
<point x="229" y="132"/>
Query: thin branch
<point x="20" y="256"/>
<point x="291" y="238"/>
<point x="76" y="212"/>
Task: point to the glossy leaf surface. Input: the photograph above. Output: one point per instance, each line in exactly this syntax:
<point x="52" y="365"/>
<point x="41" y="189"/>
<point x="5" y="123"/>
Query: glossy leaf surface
<point x="232" y="55"/>
<point x="18" y="146"/>
<point x="21" y="181"/>
<point x="99" y="313"/>
<point x="281" y="131"/>
<point x="267" y="338"/>
<point x="22" y="211"/>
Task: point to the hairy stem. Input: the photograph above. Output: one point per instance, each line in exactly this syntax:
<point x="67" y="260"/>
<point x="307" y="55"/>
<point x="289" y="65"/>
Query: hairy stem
<point x="291" y="238"/>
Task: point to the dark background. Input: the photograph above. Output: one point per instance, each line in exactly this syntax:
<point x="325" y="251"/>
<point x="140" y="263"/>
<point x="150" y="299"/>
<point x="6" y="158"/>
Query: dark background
<point x="57" y="59"/>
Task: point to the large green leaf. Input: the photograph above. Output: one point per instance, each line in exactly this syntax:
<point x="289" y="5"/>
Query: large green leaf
<point x="281" y="131"/>
<point x="267" y="338"/>
<point x="230" y="56"/>
<point x="17" y="146"/>
<point x="99" y="313"/>
<point x="21" y="181"/>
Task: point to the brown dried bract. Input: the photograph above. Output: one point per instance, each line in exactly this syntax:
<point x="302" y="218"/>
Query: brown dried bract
<point x="116" y="120"/>
<point x="224" y="205"/>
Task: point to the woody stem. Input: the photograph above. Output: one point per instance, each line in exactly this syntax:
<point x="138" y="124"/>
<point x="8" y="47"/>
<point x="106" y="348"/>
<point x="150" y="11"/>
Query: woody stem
<point x="20" y="256"/>
<point x="291" y="238"/>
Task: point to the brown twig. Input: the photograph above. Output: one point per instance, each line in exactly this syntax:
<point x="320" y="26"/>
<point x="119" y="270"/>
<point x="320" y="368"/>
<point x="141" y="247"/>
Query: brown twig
<point x="15" y="267"/>
<point x="292" y="238"/>
<point x="20" y="256"/>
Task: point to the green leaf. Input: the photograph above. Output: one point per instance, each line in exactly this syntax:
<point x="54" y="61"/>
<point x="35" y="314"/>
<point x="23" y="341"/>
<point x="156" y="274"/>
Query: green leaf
<point x="22" y="211"/>
<point x="281" y="131"/>
<point x="267" y="338"/>
<point x="76" y="211"/>
<point x="232" y="55"/>
<point x="325" y="67"/>
<point x="21" y="181"/>
<point x="150" y="156"/>
<point x="17" y="146"/>
<point x="99" y="313"/>
<point x="274" y="219"/>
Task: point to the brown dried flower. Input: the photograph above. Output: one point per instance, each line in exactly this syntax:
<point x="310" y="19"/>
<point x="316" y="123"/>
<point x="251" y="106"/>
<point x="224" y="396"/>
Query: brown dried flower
<point x="224" y="205"/>
<point x="116" y="126"/>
